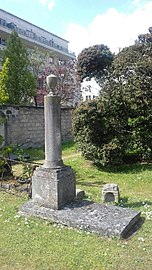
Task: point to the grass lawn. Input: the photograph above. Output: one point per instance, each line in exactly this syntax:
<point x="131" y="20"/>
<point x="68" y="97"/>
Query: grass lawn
<point x="34" y="244"/>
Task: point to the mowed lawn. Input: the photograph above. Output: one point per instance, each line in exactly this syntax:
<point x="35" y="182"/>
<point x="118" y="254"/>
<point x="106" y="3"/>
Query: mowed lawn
<point x="34" y="244"/>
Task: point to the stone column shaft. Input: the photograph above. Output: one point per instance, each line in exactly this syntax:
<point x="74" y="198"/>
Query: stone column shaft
<point x="53" y="146"/>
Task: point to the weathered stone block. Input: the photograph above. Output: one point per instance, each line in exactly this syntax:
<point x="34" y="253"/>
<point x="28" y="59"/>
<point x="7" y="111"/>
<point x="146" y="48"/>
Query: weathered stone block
<point x="110" y="193"/>
<point x="53" y="187"/>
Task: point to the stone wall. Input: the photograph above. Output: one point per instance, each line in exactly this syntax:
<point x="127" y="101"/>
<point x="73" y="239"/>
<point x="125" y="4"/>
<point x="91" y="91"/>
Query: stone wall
<point x="24" y="125"/>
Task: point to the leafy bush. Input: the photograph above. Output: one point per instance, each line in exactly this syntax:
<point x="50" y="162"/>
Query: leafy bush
<point x="5" y="165"/>
<point x="109" y="132"/>
<point x="95" y="134"/>
<point x="118" y="126"/>
<point x="1" y="140"/>
<point x="6" y="161"/>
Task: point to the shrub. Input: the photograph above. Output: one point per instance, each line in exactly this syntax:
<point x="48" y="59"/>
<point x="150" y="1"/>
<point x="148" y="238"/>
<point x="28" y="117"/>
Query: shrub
<point x="5" y="165"/>
<point x="109" y="131"/>
<point x="95" y="134"/>
<point x="118" y="125"/>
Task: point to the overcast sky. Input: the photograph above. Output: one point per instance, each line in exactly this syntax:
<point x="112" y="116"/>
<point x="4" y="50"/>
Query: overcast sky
<point x="115" y="23"/>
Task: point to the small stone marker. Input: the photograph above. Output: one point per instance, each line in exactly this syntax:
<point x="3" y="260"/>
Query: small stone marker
<point x="110" y="193"/>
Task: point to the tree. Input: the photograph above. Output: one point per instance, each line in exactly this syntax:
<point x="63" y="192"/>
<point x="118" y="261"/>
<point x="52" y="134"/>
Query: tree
<point x="128" y="90"/>
<point x="3" y="80"/>
<point x="123" y="110"/>
<point x="93" y="61"/>
<point x="68" y="88"/>
<point x="145" y="38"/>
<point x="18" y="82"/>
<point x="39" y="60"/>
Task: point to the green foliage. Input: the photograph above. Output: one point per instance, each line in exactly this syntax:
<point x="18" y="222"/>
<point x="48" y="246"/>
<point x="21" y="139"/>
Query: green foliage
<point x="93" y="61"/>
<point x="97" y="134"/>
<point x="122" y="116"/>
<point x="1" y="139"/>
<point x="38" y="60"/>
<point x="145" y="38"/>
<point x="27" y="171"/>
<point x="3" y="80"/>
<point x="5" y="165"/>
<point x="17" y="82"/>
<point x="130" y="84"/>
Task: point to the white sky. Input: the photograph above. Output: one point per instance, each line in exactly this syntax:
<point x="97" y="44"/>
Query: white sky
<point x="112" y="28"/>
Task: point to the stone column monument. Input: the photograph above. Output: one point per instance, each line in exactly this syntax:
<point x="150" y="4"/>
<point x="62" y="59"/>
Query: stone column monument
<point x="53" y="184"/>
<point x="52" y="116"/>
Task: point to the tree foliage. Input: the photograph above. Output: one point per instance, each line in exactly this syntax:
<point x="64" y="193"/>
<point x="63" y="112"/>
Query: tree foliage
<point x="68" y="88"/>
<point x="122" y="116"/>
<point x="130" y="86"/>
<point x="99" y="134"/>
<point x="3" y="80"/>
<point x="39" y="60"/>
<point x="145" y="38"/>
<point x="93" y="61"/>
<point x="18" y="82"/>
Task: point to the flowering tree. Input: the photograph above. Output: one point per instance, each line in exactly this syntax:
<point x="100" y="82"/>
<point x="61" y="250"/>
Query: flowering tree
<point x="38" y="60"/>
<point x="68" y="87"/>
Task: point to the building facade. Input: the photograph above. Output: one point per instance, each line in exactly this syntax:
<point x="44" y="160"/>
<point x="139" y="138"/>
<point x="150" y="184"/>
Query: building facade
<point x="90" y="89"/>
<point x="35" y="37"/>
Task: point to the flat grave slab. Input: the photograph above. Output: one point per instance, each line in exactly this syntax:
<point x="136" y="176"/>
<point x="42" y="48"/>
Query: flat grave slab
<point x="106" y="220"/>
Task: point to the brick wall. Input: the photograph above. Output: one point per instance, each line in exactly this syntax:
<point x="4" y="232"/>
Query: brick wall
<point x="25" y="125"/>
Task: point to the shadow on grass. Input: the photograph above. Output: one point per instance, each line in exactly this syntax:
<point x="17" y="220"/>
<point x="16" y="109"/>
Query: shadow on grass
<point x="83" y="182"/>
<point x="91" y="184"/>
<point x="127" y="168"/>
<point x="124" y="203"/>
<point x="68" y="145"/>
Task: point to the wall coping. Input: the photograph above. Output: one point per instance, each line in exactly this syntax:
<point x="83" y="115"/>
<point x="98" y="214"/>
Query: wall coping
<point x="30" y="107"/>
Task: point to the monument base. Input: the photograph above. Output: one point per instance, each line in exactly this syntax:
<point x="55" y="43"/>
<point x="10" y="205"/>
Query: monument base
<point x="53" y="187"/>
<point x="107" y="220"/>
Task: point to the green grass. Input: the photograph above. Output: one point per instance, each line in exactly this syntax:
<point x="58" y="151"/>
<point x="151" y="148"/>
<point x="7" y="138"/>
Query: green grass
<point x="34" y="244"/>
<point x="38" y="154"/>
